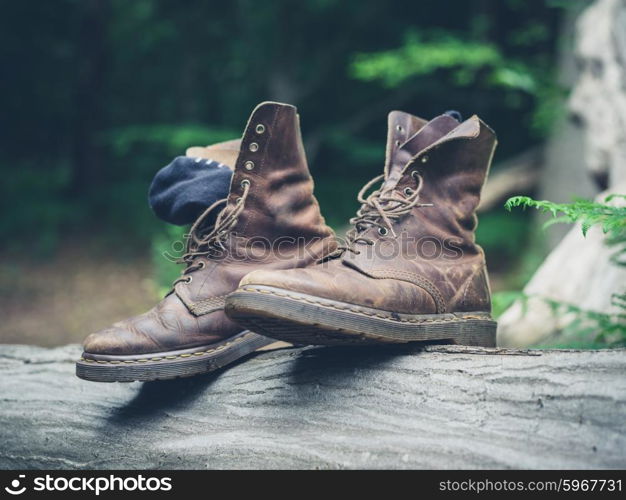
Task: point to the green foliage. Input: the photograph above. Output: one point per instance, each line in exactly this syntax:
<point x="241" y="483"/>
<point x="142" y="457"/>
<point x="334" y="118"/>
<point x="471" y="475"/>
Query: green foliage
<point x="604" y="330"/>
<point x="168" y="139"/>
<point x="465" y="60"/>
<point x="167" y="247"/>
<point x="611" y="218"/>
<point x="340" y="197"/>
<point x="129" y="85"/>
<point x="549" y="104"/>
<point x="470" y="62"/>
<point x="419" y="56"/>
<point x="501" y="301"/>
<point x="489" y="232"/>
<point x="610" y="329"/>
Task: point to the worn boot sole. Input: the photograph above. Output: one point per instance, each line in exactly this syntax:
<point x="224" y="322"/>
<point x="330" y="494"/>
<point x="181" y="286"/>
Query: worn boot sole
<point x="305" y="319"/>
<point x="172" y="364"/>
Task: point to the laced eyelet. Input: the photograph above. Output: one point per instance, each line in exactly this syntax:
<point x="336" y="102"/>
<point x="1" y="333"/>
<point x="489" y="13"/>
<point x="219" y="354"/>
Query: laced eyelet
<point x="253" y="147"/>
<point x="408" y="191"/>
<point x="416" y="175"/>
<point x="188" y="280"/>
<point x="383" y="231"/>
<point x="245" y="183"/>
<point x="249" y="165"/>
<point x="260" y="128"/>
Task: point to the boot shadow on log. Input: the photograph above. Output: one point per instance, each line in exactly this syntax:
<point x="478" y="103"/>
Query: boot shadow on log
<point x="339" y="363"/>
<point x="156" y="397"/>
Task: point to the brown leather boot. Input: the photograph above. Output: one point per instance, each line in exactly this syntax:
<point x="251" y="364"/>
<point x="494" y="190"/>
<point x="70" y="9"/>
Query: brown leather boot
<point x="410" y="270"/>
<point x="270" y="220"/>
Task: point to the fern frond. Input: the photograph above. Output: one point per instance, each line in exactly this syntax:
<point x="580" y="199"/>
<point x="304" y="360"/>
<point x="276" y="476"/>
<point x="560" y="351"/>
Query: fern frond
<point x="611" y="218"/>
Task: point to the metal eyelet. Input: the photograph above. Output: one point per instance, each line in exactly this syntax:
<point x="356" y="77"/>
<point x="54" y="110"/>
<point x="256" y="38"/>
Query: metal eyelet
<point x="249" y="165"/>
<point x="189" y="280"/>
<point x="383" y="231"/>
<point x="245" y="183"/>
<point x="397" y="143"/>
<point x="260" y="128"/>
<point x="424" y="159"/>
<point x="201" y="265"/>
<point x="408" y="191"/>
<point x="399" y="128"/>
<point x="253" y="147"/>
<point x="416" y="174"/>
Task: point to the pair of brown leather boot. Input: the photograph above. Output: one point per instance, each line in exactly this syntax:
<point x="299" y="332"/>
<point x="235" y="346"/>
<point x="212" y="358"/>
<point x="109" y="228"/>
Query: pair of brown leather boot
<point x="269" y="267"/>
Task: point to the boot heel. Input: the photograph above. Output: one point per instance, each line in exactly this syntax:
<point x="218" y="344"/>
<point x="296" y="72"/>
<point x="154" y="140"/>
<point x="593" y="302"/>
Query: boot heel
<point x="476" y="333"/>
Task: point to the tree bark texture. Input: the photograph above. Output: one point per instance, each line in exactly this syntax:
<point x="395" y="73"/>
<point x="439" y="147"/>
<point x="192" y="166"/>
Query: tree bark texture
<point x="400" y="407"/>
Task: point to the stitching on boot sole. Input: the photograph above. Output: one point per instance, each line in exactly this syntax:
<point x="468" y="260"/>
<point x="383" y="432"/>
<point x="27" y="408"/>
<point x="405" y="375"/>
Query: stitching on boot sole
<point x="356" y="311"/>
<point x="162" y="358"/>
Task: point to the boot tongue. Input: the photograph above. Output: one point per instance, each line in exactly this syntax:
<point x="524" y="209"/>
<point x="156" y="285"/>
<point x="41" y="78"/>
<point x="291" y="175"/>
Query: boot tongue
<point x="400" y="127"/>
<point x="427" y="134"/>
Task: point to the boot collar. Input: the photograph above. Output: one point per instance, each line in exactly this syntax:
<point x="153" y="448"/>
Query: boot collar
<point x="410" y="137"/>
<point x="428" y="136"/>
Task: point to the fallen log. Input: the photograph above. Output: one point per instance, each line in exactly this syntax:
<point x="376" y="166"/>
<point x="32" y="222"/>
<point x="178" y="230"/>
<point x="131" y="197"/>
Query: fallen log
<point x="400" y="407"/>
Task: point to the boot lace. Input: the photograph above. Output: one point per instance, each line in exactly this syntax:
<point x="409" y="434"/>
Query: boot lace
<point x="209" y="243"/>
<point x="379" y="209"/>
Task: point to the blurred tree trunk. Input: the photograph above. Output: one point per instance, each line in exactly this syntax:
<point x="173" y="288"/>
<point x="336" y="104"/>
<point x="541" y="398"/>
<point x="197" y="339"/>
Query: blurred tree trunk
<point x="579" y="271"/>
<point x="564" y="173"/>
<point x="87" y="162"/>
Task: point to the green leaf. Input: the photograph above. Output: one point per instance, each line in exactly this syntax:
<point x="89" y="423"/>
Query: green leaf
<point x="419" y="56"/>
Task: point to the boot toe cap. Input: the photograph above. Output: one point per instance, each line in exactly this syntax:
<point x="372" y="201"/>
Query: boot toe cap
<point x="335" y="283"/>
<point x="346" y="285"/>
<point x="266" y="277"/>
<point x="114" y="340"/>
<point x="296" y="280"/>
